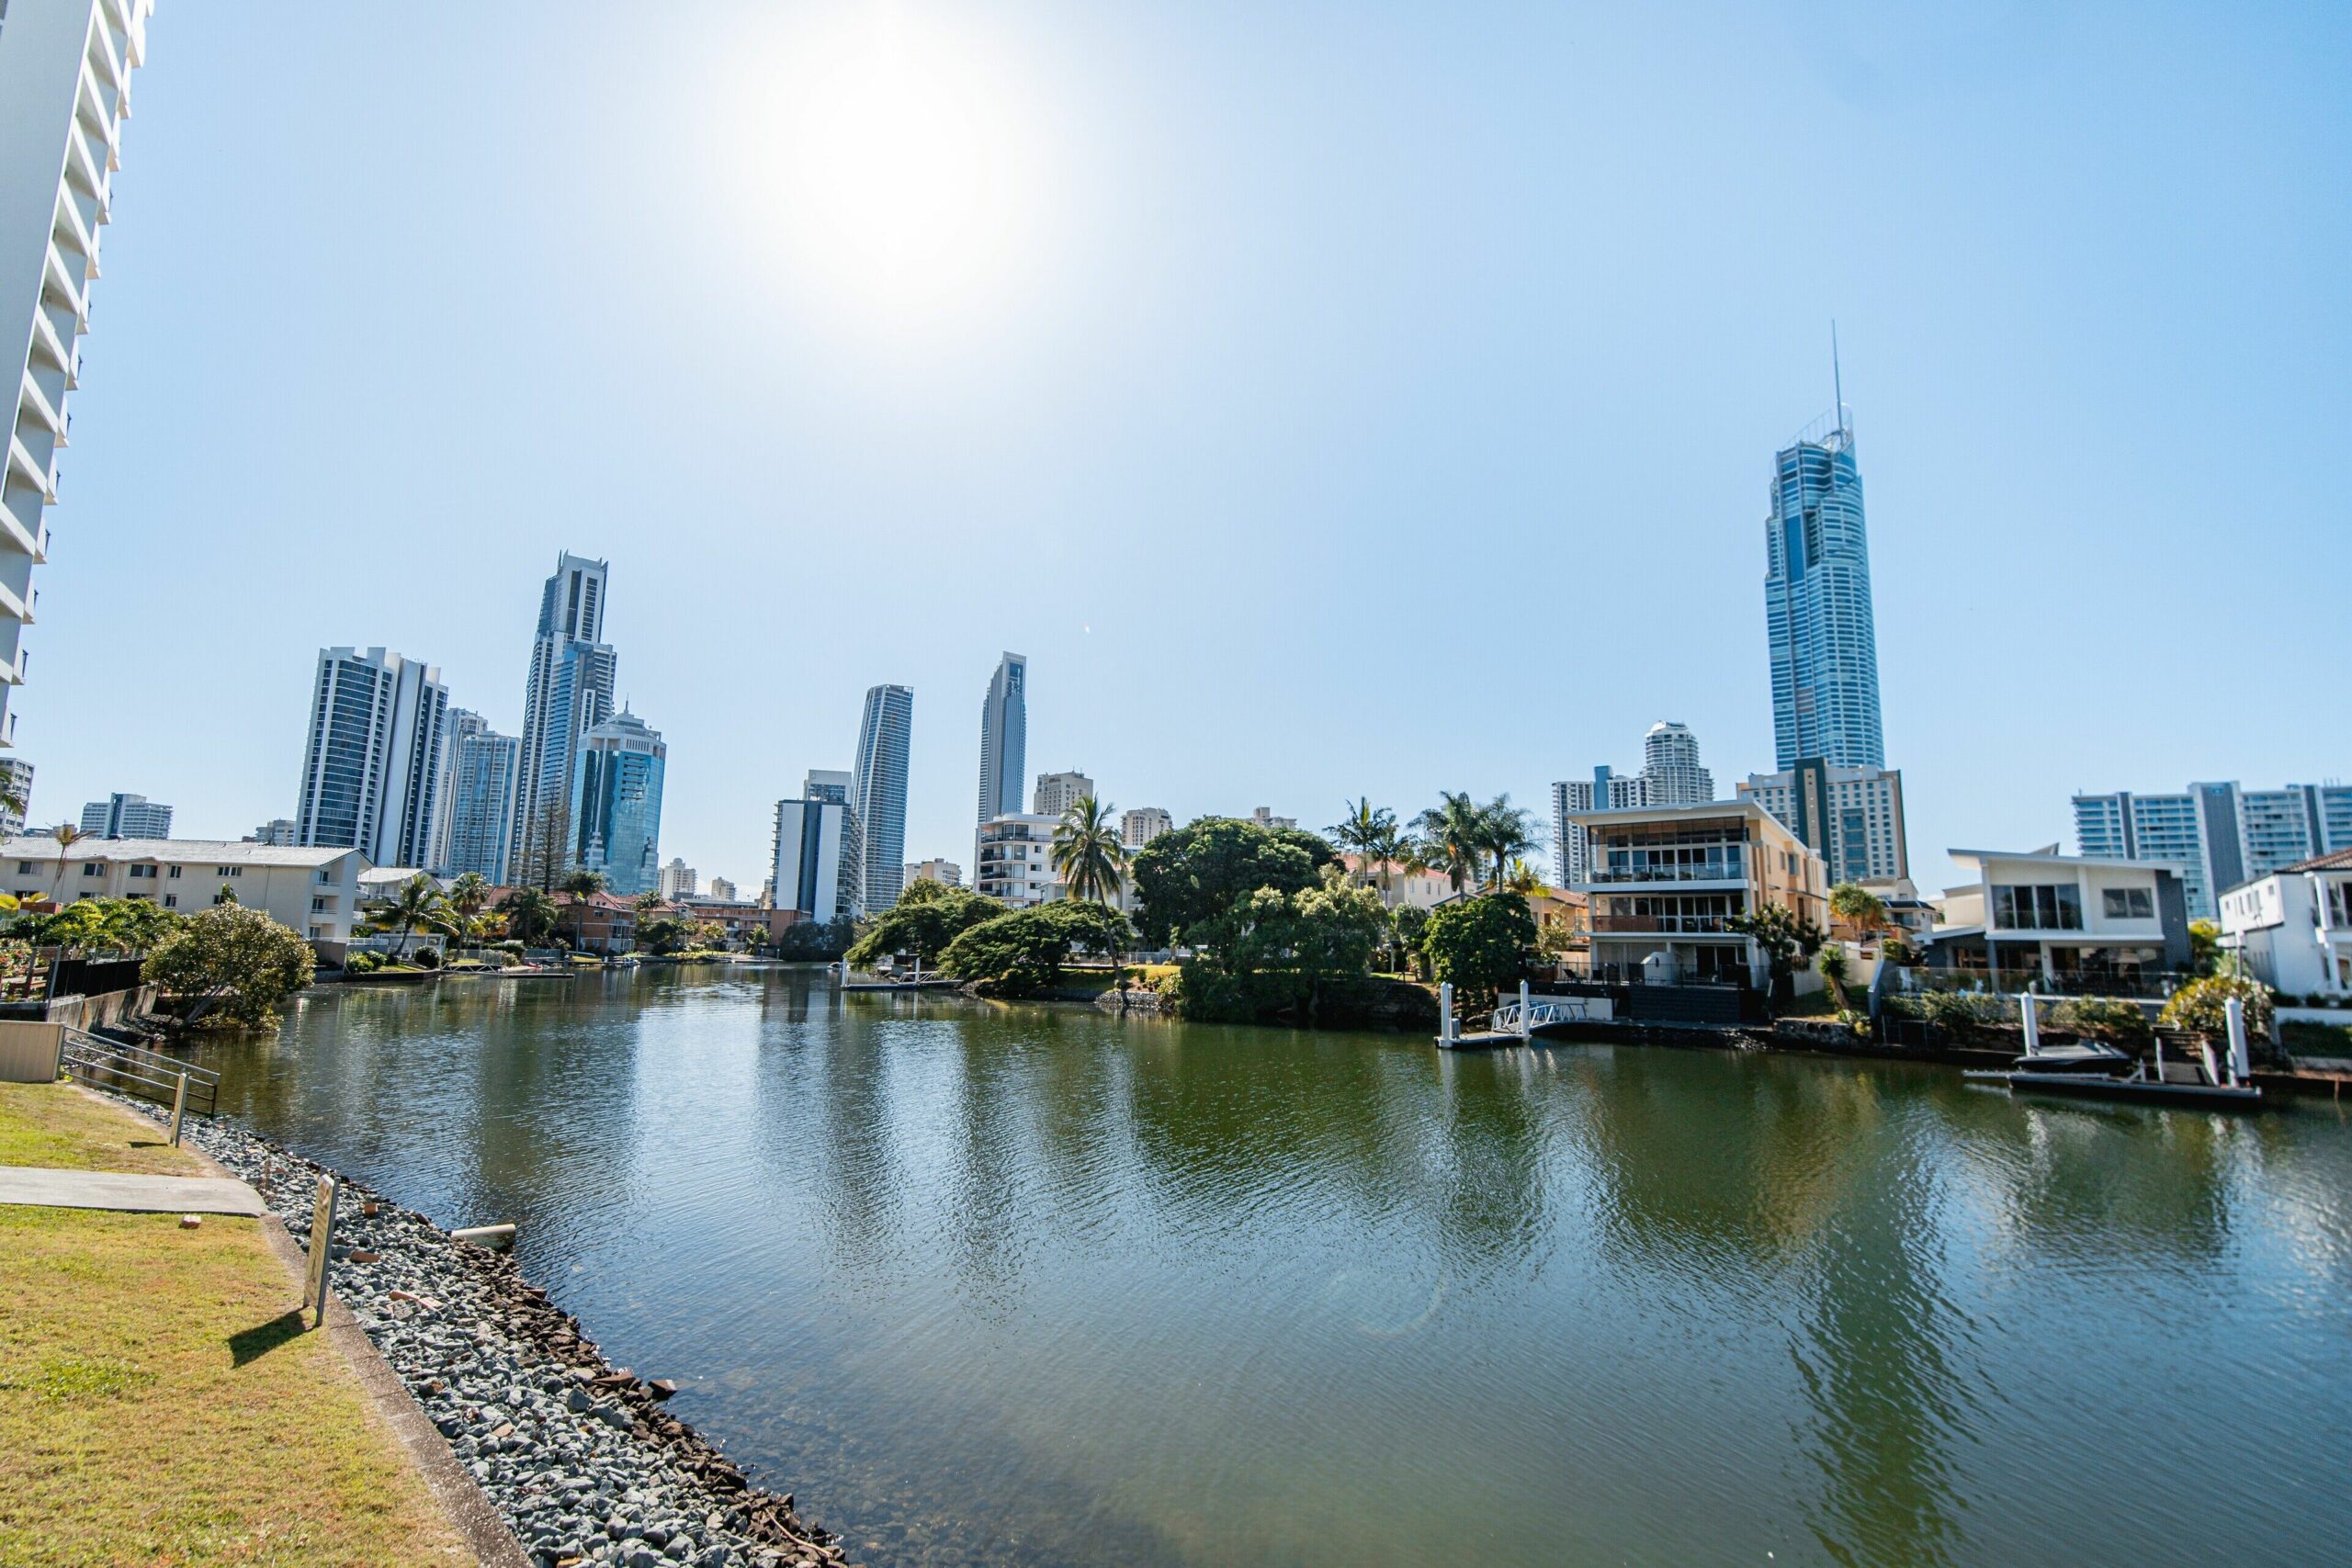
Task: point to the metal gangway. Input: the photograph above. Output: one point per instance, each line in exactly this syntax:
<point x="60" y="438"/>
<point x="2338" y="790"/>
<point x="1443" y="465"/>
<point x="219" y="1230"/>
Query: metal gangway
<point x="140" y="1072"/>
<point x="1552" y="1010"/>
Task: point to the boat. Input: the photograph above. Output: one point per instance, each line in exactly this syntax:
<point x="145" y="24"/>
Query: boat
<point x="2092" y="1070"/>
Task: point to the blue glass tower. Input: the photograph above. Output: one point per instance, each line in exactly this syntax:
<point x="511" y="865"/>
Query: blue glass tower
<point x="1817" y="605"/>
<point x="878" y="791"/>
<point x="617" y="803"/>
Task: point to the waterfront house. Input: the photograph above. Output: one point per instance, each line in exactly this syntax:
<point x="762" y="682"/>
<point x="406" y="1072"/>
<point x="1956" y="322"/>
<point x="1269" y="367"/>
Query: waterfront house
<point x="313" y="889"/>
<point x="2293" y="928"/>
<point x="1663" y="885"/>
<point x="2074" y="922"/>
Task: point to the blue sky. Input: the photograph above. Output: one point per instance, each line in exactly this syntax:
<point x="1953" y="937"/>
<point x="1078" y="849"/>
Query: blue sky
<point x="1327" y="398"/>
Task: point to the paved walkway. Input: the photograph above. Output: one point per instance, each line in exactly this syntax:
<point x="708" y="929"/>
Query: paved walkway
<point x="132" y="1194"/>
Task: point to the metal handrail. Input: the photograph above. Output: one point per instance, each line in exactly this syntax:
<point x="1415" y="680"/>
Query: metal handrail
<point x="138" y="1071"/>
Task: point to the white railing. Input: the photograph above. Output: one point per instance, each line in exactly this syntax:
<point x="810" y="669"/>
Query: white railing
<point x="1564" y="1009"/>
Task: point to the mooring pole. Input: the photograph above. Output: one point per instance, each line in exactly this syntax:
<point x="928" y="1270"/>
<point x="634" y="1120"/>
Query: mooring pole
<point x="1524" y="1032"/>
<point x="1445" y="1013"/>
<point x="2032" y="1024"/>
<point x="2241" y="1064"/>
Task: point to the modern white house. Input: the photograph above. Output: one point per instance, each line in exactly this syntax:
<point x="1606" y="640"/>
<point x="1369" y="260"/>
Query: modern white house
<point x="1664" y="883"/>
<point x="1016" y="860"/>
<point x="313" y="890"/>
<point x="2294" y="926"/>
<point x="65" y="92"/>
<point x="2066" y="919"/>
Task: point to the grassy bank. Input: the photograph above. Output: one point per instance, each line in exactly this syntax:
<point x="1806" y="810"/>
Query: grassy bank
<point x="159" y="1403"/>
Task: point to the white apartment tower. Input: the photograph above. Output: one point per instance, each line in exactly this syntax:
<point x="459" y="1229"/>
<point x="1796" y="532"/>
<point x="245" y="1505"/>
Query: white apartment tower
<point x="1143" y="824"/>
<point x="1670" y="772"/>
<point x="371" y="764"/>
<point x="1057" y="793"/>
<point x="65" y="92"/>
<point x="1670" y="775"/>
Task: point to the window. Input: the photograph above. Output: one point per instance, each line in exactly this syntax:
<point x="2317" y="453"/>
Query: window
<point x="24" y="868"/>
<point x="176" y="871"/>
<point x="317" y="905"/>
<point x="2128" y="903"/>
<point x="147" y="872"/>
<point x="94" y="868"/>
<point x="170" y="900"/>
<point x="2037" y="907"/>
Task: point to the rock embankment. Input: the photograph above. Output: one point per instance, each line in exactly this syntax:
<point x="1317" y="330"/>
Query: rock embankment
<point x="576" y="1454"/>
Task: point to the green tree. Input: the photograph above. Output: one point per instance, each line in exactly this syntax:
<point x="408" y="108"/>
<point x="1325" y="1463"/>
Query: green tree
<point x="922" y="925"/>
<point x="1504" y="833"/>
<point x="816" y="941"/>
<point x="662" y="934"/>
<point x="531" y="916"/>
<point x="1277" y="954"/>
<point x="1370" y="833"/>
<point x="2204" y="947"/>
<point x="470" y="894"/>
<point x="1410" y="922"/>
<point x="1452" y="837"/>
<point x="234" y="962"/>
<point x="1021" y="952"/>
<point x="1479" y="945"/>
<point x="1859" y="907"/>
<point x="1087" y="853"/>
<point x="1788" y="940"/>
<point x="579" y="885"/>
<point x="2203" y="1004"/>
<point x="1197" y="873"/>
<point x="650" y="904"/>
<point x="417" y="902"/>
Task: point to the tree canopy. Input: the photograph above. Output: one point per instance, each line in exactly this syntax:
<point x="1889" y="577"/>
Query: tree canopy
<point x="1196" y="874"/>
<point x="1479" y="945"/>
<point x="1275" y="954"/>
<point x="922" y="923"/>
<point x="1021" y="952"/>
<point x="231" y="961"/>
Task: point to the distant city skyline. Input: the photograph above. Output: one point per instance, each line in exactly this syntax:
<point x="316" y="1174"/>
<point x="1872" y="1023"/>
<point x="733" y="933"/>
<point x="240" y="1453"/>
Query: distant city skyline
<point x="1254" y="338"/>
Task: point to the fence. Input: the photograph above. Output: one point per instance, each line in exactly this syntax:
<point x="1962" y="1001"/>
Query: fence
<point x="137" y="1071"/>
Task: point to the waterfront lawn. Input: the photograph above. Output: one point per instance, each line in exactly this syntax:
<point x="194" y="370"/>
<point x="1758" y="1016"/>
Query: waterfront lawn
<point x="158" y="1404"/>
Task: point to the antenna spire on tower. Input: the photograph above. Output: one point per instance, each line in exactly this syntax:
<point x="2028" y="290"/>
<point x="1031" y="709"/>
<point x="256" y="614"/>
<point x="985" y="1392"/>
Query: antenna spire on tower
<point x="1837" y="377"/>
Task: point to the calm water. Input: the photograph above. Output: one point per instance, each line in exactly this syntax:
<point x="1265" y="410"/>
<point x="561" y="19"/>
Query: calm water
<point x="989" y="1285"/>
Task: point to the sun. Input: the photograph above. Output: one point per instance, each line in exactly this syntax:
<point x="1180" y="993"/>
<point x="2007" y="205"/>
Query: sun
<point x="895" y="162"/>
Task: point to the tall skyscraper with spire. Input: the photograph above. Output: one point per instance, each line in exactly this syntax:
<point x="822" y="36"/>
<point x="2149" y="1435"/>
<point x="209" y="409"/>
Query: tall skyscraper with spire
<point x="1817" y="600"/>
<point x="1004" y="738"/>
<point x="568" y="692"/>
<point x="878" y="791"/>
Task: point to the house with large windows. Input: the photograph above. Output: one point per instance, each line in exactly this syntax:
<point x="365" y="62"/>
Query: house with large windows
<point x="313" y="889"/>
<point x="2068" y="921"/>
<point x="2293" y="928"/>
<point x="1664" y="884"/>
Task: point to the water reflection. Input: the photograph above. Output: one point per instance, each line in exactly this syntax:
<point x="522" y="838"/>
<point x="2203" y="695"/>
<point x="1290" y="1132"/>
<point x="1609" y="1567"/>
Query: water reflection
<point x="992" y="1284"/>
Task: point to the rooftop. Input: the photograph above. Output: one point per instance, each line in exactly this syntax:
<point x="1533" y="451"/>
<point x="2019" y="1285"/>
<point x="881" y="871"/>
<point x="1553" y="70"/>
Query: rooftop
<point x="220" y="852"/>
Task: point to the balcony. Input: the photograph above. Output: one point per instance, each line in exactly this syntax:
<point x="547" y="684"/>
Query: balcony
<point x="1662" y="925"/>
<point x="1732" y="874"/>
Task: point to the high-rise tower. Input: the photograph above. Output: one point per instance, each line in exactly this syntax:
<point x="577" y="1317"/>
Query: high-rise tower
<point x="1817" y="603"/>
<point x="65" y="91"/>
<point x="616" y="803"/>
<point x="569" y="692"/>
<point x="1004" y="738"/>
<point x="371" y="764"/>
<point x="878" y="791"/>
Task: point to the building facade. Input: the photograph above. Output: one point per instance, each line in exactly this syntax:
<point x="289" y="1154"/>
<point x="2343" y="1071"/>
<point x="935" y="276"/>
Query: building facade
<point x="946" y="873"/>
<point x="722" y="889"/>
<point x="1664" y="883"/>
<point x="278" y="831"/>
<point x="1817" y="611"/>
<point x="312" y="891"/>
<point x="371" y="762"/>
<point x="1057" y="793"/>
<point x="1141" y="825"/>
<point x="1004" y="738"/>
<point x="1852" y="815"/>
<point x="1264" y="817"/>
<point x="878" y="791"/>
<point x="564" y="693"/>
<point x="481" y="804"/>
<point x="617" y="803"/>
<point x="677" y="880"/>
<point x="17" y="779"/>
<point x="65" y="92"/>
<point x="2293" y="928"/>
<point x="122" y="816"/>
<point x="2075" y="923"/>
<point x="461" y="724"/>
<point x="816" y="850"/>
<point x="2217" y="836"/>
<point x="1016" y="860"/>
<point x="1671" y="775"/>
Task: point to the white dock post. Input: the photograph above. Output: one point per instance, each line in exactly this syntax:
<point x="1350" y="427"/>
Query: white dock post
<point x="1524" y="1032"/>
<point x="1445" y="1014"/>
<point x="2032" y="1024"/>
<point x="2240" y="1065"/>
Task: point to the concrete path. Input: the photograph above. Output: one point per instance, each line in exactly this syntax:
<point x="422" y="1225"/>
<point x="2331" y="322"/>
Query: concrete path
<point x="132" y="1194"/>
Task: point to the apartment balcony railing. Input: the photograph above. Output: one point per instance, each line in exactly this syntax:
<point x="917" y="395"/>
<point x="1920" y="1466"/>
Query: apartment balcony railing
<point x="1728" y="872"/>
<point x="1662" y="925"/>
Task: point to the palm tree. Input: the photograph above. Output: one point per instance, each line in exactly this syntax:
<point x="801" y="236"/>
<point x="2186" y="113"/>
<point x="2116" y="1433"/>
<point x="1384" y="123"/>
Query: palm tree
<point x="1505" y="832"/>
<point x="649" y="903"/>
<point x="67" y="836"/>
<point x="530" y="915"/>
<point x="1088" y="853"/>
<point x="1522" y="879"/>
<point x="418" y="902"/>
<point x="1368" y="832"/>
<point x="468" y="893"/>
<point x="1453" y="836"/>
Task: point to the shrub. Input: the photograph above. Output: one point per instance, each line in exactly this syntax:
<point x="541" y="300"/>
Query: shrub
<point x="2199" y="1005"/>
<point x="1965" y="1010"/>
<point x="362" y="963"/>
<point x="426" y="958"/>
<point x="231" y="960"/>
<point x="2107" y="1019"/>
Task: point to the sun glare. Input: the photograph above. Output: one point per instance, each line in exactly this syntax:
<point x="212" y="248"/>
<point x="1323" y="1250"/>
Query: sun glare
<point x="897" y="163"/>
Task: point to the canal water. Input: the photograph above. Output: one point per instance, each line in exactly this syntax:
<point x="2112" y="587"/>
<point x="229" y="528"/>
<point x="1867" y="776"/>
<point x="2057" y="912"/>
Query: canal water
<point x="1021" y="1285"/>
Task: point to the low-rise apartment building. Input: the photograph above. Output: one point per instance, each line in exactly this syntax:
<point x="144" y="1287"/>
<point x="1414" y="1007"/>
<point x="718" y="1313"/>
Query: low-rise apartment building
<point x="2073" y="921"/>
<point x="2293" y="928"/>
<point x="1016" y="863"/>
<point x="313" y="890"/>
<point x="1664" y="884"/>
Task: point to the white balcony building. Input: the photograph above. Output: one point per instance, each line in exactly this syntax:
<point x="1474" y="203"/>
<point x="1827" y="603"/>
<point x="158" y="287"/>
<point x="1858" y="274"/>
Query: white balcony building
<point x="311" y="890"/>
<point x="1665" y="883"/>
<point x="2294" y="927"/>
<point x="65" y="92"/>
<point x="1016" y="865"/>
<point x="2075" y="923"/>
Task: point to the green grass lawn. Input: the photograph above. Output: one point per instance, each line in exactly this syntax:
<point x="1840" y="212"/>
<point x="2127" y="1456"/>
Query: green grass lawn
<point x="159" y="1404"/>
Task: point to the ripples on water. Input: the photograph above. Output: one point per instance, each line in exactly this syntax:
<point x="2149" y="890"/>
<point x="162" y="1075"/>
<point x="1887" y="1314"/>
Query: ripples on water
<point x="992" y="1285"/>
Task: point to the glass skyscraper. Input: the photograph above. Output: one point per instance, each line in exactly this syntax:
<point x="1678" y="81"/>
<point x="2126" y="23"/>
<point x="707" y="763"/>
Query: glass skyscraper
<point x="878" y="791"/>
<point x="1004" y="738"/>
<point x="617" y="803"/>
<point x="1817" y="606"/>
<point x="562" y="698"/>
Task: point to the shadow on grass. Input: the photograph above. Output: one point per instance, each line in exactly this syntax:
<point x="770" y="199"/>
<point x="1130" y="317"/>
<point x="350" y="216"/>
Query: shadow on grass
<point x="253" y="1344"/>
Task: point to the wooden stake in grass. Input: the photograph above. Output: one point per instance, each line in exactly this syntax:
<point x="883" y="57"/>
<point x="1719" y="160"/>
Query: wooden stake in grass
<point x="315" y="1288"/>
